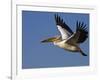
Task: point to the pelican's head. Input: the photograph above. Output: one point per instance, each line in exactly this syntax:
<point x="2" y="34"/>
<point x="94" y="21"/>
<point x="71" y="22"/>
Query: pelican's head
<point x="53" y="39"/>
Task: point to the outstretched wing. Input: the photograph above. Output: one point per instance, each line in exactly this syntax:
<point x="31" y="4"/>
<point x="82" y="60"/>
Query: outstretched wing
<point x="63" y="27"/>
<point x="81" y="34"/>
<point x="82" y="31"/>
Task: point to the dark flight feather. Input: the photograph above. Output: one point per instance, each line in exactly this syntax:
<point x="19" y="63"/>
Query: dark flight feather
<point x="82" y="31"/>
<point x="61" y="23"/>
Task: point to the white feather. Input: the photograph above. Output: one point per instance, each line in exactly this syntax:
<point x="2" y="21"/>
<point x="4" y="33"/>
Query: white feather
<point x="64" y="33"/>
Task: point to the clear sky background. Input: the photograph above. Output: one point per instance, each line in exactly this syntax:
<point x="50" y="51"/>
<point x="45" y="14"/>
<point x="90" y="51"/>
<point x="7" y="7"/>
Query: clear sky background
<point x="37" y="26"/>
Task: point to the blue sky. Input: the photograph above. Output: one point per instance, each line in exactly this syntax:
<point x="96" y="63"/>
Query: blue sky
<point x="37" y="26"/>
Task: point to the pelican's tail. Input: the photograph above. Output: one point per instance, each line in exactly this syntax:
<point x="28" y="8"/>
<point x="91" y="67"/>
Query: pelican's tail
<point x="82" y="53"/>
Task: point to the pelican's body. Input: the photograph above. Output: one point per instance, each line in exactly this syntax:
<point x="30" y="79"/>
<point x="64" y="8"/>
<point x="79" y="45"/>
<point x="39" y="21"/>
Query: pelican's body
<point x="66" y="46"/>
<point x="68" y="40"/>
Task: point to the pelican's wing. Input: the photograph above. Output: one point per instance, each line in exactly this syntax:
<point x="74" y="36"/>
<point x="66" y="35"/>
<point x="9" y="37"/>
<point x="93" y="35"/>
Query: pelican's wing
<point x="80" y="35"/>
<point x="63" y="28"/>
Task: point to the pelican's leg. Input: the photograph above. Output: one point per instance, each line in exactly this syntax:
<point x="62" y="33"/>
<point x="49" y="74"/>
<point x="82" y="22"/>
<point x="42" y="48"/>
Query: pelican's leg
<point x="82" y="53"/>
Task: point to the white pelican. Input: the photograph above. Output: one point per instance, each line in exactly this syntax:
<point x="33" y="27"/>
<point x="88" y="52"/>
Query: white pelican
<point x="69" y="40"/>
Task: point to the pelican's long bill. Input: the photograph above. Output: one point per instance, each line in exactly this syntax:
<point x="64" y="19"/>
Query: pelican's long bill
<point x="49" y="40"/>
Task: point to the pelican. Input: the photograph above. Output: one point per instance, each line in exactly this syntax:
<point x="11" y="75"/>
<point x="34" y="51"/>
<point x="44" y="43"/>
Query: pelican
<point x="69" y="40"/>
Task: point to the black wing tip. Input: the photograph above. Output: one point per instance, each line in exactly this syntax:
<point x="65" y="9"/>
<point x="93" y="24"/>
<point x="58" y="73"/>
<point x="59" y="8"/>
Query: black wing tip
<point x="56" y="15"/>
<point x="58" y="19"/>
<point x="81" y="26"/>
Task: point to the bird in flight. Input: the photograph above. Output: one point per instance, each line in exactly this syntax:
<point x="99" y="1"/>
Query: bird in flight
<point x="69" y="40"/>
